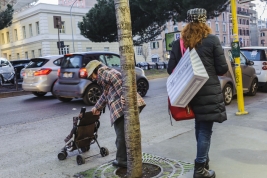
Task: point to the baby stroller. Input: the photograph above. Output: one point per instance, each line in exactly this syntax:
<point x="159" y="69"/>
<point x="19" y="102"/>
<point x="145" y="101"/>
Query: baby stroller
<point x="84" y="135"/>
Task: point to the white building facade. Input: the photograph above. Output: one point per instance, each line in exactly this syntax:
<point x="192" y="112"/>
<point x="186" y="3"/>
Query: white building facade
<point x="32" y="34"/>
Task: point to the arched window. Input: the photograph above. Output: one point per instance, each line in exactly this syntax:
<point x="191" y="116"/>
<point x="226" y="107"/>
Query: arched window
<point x="223" y="17"/>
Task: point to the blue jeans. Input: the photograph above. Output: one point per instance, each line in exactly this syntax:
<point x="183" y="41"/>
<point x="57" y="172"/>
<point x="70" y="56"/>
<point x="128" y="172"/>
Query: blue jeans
<point x="203" y="131"/>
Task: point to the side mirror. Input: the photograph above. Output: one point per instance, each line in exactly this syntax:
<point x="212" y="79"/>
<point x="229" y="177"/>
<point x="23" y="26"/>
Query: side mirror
<point x="250" y="63"/>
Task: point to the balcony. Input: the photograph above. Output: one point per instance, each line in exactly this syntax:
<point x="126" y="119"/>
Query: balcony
<point x="243" y="13"/>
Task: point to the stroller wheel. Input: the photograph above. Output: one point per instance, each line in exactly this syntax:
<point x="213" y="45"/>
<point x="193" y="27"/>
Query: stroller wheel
<point x="104" y="151"/>
<point x="85" y="149"/>
<point x="80" y="160"/>
<point x="62" y="155"/>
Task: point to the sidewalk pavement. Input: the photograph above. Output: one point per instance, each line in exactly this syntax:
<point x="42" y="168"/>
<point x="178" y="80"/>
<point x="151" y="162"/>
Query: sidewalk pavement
<point x="238" y="146"/>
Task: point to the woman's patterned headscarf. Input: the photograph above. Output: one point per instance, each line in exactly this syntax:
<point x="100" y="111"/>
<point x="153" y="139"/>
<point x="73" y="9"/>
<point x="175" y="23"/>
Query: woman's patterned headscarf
<point x="197" y="15"/>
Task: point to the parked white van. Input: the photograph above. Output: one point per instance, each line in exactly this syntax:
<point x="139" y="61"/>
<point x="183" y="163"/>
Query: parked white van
<point x="258" y="54"/>
<point x="6" y="71"/>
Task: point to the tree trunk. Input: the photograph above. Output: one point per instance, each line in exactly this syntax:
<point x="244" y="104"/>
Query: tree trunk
<point x="131" y="114"/>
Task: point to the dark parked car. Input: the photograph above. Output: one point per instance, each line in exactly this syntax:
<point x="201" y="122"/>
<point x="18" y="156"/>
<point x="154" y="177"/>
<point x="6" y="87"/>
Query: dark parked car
<point x="249" y="77"/>
<point x="72" y="77"/>
<point x="18" y="65"/>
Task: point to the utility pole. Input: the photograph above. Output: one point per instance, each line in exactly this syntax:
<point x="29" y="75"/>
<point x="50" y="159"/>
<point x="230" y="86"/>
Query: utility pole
<point x="236" y="55"/>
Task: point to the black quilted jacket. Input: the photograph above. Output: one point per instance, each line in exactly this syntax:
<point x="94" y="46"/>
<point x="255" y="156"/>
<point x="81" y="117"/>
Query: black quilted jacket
<point x="208" y="103"/>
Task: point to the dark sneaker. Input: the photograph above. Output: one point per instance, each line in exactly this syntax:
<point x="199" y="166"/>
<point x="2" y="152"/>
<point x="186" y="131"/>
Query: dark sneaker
<point x="119" y="164"/>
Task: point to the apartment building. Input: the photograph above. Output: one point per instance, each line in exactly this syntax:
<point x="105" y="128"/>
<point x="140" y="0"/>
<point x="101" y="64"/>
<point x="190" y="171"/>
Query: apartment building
<point x="78" y="3"/>
<point x="263" y="37"/>
<point x="32" y="34"/>
<point x="221" y="26"/>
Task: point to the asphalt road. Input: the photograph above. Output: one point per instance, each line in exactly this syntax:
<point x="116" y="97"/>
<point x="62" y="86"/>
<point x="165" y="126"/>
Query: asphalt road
<point x="29" y="108"/>
<point x="32" y="131"/>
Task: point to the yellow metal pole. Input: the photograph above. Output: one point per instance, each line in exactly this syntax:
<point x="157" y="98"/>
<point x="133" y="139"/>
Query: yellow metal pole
<point x="236" y="56"/>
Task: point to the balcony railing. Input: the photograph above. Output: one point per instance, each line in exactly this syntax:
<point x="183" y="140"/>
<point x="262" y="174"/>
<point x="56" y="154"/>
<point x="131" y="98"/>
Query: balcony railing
<point x="243" y="13"/>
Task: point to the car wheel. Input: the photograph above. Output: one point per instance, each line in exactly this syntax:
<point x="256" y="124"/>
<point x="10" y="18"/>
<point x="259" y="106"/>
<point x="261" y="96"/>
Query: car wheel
<point x="39" y="94"/>
<point x="1" y="80"/>
<point x="253" y="88"/>
<point x="52" y="88"/>
<point x="64" y="99"/>
<point x="142" y="87"/>
<point x="92" y="94"/>
<point x="227" y="94"/>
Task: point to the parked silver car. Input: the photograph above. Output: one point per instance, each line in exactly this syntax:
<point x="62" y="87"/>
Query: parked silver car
<point x="7" y="72"/>
<point x="249" y="77"/>
<point x="40" y="74"/>
<point x="73" y="83"/>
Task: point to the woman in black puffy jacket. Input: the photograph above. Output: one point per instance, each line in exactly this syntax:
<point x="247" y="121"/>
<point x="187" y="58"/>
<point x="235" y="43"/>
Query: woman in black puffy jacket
<point x="207" y="104"/>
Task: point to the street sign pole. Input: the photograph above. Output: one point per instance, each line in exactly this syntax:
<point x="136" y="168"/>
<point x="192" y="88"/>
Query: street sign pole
<point x="236" y="55"/>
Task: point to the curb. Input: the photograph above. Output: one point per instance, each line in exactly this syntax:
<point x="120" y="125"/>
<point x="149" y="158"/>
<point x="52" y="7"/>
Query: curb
<point x="14" y="93"/>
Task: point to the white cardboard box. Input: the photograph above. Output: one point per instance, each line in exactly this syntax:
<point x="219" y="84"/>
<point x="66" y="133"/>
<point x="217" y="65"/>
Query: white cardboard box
<point x="186" y="79"/>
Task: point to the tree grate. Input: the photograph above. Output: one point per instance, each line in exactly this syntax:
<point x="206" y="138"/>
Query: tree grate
<point x="170" y="168"/>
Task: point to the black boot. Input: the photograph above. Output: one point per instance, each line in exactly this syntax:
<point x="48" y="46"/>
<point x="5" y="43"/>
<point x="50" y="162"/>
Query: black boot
<point x="207" y="166"/>
<point x="201" y="172"/>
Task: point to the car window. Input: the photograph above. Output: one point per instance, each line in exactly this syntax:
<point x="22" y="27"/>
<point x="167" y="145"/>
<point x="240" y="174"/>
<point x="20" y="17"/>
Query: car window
<point x="73" y="61"/>
<point x="102" y="59"/>
<point x="4" y="63"/>
<point x="113" y="60"/>
<point x="58" y="61"/>
<point x="37" y="62"/>
<point x="254" y="54"/>
<point x="88" y="58"/>
<point x="242" y="58"/>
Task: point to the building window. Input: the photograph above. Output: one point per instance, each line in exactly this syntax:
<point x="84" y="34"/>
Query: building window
<point x="40" y="52"/>
<point x="9" y="56"/>
<point x="26" y="55"/>
<point x="224" y="27"/>
<point x="240" y="32"/>
<point x="224" y="40"/>
<point x="154" y="45"/>
<point x="139" y="50"/>
<point x="106" y="48"/>
<point x="247" y="22"/>
<point x="7" y="37"/>
<point x="16" y="35"/>
<point x="3" y="38"/>
<point x="65" y="49"/>
<point x="18" y="56"/>
<point x="24" y="32"/>
<point x="62" y="30"/>
<point x="30" y="30"/>
<point x="223" y="17"/>
<point x="175" y="29"/>
<point x="33" y="56"/>
<point x="37" y="28"/>
<point x="217" y="27"/>
<point x="240" y="21"/>
<point x="88" y="48"/>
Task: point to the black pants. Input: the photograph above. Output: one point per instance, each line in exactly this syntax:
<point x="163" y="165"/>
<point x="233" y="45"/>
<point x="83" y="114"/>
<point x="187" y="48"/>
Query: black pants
<point x="121" y="155"/>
